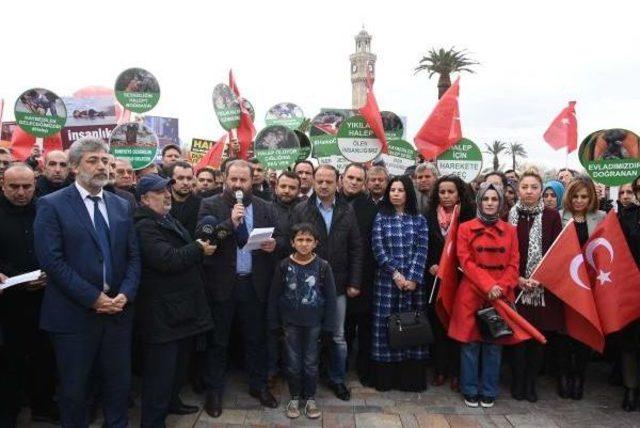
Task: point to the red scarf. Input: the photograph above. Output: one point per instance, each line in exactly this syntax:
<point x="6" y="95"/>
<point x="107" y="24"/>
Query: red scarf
<point x="444" y="217"/>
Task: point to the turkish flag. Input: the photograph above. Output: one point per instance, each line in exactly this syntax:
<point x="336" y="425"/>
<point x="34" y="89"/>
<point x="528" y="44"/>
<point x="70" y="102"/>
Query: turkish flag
<point x="246" y="129"/>
<point x="563" y="273"/>
<point x="22" y="143"/>
<point x="448" y="272"/>
<point x="371" y="114"/>
<point x="213" y="158"/>
<point x="442" y="128"/>
<point x="563" y="131"/>
<point x="614" y="274"/>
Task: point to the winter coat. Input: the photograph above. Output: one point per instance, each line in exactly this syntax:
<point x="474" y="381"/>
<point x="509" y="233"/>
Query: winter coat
<point x="171" y="302"/>
<point x="488" y="256"/>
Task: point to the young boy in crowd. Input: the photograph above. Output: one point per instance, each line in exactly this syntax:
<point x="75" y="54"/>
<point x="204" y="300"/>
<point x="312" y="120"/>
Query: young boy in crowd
<point x="303" y="301"/>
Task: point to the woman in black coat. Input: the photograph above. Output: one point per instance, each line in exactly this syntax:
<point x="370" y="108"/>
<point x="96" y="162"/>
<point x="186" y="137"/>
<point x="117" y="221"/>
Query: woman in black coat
<point x="629" y="337"/>
<point x="171" y="304"/>
<point x="448" y="191"/>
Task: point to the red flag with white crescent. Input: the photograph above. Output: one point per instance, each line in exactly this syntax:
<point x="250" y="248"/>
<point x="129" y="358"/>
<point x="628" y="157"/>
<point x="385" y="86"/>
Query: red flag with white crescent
<point x="563" y="273"/>
<point x="448" y="272"/>
<point x="442" y="128"/>
<point x="614" y="274"/>
<point x="563" y="131"/>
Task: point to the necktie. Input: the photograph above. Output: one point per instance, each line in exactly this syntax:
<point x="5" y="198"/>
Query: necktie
<point x="102" y="230"/>
<point x="242" y="234"/>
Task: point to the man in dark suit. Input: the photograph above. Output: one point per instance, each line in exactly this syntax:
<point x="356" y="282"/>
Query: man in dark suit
<point x="341" y="246"/>
<point x="86" y="243"/>
<point x="238" y="280"/>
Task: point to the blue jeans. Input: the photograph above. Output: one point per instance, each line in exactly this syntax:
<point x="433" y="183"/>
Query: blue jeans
<point x="469" y="367"/>
<point x="338" y="362"/>
<point x="301" y="365"/>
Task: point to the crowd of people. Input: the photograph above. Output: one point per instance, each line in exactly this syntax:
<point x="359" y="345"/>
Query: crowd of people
<point x="147" y="272"/>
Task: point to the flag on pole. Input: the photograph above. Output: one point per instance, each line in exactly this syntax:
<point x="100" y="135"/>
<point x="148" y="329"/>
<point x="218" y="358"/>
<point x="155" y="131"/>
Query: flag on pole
<point x="371" y="113"/>
<point x="563" y="131"/>
<point x="213" y="158"/>
<point x="246" y="130"/>
<point x="448" y="272"/>
<point x="442" y="128"/>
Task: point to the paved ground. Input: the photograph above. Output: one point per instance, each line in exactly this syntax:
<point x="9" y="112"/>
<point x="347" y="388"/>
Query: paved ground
<point x="437" y="407"/>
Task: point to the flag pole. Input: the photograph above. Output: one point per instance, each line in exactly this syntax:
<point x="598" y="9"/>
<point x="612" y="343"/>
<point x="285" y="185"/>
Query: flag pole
<point x="433" y="289"/>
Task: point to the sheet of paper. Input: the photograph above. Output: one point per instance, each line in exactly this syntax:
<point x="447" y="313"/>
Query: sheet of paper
<point x="257" y="237"/>
<point x="19" y="279"/>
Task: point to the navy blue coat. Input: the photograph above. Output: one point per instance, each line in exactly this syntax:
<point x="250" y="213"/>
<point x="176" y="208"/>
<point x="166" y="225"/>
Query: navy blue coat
<point x="67" y="248"/>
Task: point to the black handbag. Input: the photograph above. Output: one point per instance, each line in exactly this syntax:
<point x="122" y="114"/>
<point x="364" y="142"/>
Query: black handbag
<point x="408" y="329"/>
<point x="492" y="325"/>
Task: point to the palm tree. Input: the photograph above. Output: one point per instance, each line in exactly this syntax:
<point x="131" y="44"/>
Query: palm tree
<point x="494" y="150"/>
<point x="516" y="150"/>
<point x="444" y="63"/>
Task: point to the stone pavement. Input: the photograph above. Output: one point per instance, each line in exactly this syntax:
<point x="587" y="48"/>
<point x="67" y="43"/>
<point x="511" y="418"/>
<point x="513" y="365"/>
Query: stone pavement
<point x="437" y="407"/>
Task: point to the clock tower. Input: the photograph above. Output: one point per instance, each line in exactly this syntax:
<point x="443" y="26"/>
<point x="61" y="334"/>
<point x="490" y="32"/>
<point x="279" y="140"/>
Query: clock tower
<point x="363" y="62"/>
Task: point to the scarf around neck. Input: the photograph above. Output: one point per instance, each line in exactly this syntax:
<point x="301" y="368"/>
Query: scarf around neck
<point x="533" y="297"/>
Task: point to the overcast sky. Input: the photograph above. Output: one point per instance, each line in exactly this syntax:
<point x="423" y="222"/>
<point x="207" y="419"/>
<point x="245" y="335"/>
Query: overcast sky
<point x="533" y="58"/>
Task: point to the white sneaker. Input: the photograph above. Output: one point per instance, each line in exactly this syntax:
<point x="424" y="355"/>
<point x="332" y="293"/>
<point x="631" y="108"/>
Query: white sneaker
<point x="312" y="410"/>
<point x="293" y="409"/>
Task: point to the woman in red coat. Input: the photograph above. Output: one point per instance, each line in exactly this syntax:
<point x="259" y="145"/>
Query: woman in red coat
<point x="488" y="255"/>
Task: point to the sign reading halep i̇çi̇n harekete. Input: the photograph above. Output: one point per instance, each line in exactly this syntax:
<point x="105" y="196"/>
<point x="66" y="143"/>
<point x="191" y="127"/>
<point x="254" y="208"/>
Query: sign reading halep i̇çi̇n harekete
<point x="40" y="112"/>
<point x="134" y="141"/>
<point x="611" y="156"/>
<point x="137" y="90"/>
<point x="463" y="159"/>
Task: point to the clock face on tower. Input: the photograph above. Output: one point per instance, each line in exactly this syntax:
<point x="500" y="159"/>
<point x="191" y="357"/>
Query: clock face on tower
<point x="370" y="67"/>
<point x="354" y="68"/>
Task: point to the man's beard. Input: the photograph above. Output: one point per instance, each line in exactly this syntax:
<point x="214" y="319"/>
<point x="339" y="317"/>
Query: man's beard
<point x="92" y="181"/>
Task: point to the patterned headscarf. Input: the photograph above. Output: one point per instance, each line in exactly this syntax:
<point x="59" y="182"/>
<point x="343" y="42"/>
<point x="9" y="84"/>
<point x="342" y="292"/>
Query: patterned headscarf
<point x="557" y="188"/>
<point x="486" y="218"/>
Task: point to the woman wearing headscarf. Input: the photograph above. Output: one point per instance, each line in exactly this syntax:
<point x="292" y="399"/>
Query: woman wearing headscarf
<point x="487" y="249"/>
<point x="511" y="193"/>
<point x="449" y="191"/>
<point x="580" y="204"/>
<point x="537" y="226"/>
<point x="552" y="194"/>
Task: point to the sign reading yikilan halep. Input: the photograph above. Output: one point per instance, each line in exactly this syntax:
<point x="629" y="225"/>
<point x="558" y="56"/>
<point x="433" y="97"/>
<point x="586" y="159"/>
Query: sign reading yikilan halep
<point x="134" y="141"/>
<point x="357" y="141"/>
<point x="40" y="112"/>
<point x="611" y="156"/>
<point x="226" y="106"/>
<point x="137" y="90"/>
<point x="463" y="159"/>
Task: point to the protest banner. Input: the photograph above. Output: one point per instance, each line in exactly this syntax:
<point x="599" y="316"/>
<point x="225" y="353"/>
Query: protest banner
<point x="305" y="145"/>
<point x="357" y="141"/>
<point x="393" y="125"/>
<point x="40" y="112"/>
<point x="199" y="148"/>
<point x="611" y="156"/>
<point x="88" y="116"/>
<point x="226" y="106"/>
<point x="136" y="142"/>
<point x="277" y="147"/>
<point x="166" y="129"/>
<point x="137" y="90"/>
<point x="402" y="155"/>
<point x="463" y="159"/>
<point x="285" y="114"/>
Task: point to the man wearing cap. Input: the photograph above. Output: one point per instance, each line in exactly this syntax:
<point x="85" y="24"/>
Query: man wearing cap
<point x="171" y="305"/>
<point x="86" y="243"/>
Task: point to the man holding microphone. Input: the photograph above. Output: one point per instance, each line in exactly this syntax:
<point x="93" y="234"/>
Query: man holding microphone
<point x="238" y="280"/>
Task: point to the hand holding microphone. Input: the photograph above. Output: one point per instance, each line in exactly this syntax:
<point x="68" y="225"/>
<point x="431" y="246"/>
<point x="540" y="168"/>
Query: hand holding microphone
<point x="237" y="213"/>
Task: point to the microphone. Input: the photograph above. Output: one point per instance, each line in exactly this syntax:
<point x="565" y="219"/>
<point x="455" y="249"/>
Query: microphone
<point x="239" y="198"/>
<point x="210" y="229"/>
